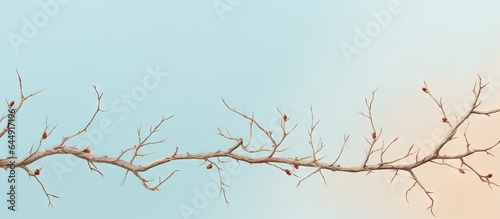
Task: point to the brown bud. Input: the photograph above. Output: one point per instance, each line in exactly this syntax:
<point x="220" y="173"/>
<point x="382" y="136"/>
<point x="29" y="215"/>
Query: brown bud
<point x="374" y="135"/>
<point x="288" y="172"/>
<point x="444" y="119"/>
<point x="44" y="135"/>
<point x="489" y="175"/>
<point x="86" y="150"/>
<point x="209" y="166"/>
<point x="11" y="104"/>
<point x="424" y="89"/>
<point x="285" y="117"/>
<point x="37" y="172"/>
<point x="296" y="166"/>
<point x="461" y="171"/>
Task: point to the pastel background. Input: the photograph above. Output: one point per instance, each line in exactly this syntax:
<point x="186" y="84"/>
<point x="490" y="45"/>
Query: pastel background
<point x="258" y="55"/>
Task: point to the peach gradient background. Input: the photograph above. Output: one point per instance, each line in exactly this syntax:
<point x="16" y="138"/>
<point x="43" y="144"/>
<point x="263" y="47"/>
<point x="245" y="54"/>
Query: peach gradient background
<point x="264" y="54"/>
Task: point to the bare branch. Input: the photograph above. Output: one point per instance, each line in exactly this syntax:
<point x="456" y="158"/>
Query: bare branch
<point x="271" y="157"/>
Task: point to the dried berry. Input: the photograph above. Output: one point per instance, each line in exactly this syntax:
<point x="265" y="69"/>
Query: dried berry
<point x="209" y="166"/>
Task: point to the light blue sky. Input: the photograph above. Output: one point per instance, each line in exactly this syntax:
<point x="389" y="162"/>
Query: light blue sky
<point x="259" y="55"/>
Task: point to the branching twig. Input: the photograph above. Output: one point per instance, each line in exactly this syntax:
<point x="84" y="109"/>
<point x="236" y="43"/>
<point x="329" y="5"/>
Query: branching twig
<point x="271" y="156"/>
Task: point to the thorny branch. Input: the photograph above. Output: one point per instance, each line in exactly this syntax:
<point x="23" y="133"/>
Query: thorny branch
<point x="242" y="151"/>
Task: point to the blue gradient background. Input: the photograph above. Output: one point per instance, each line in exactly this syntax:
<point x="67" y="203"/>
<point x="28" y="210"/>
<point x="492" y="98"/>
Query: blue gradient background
<point x="262" y="55"/>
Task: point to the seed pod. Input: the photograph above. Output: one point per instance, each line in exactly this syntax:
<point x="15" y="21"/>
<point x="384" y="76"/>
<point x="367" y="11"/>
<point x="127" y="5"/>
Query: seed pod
<point x="209" y="166"/>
